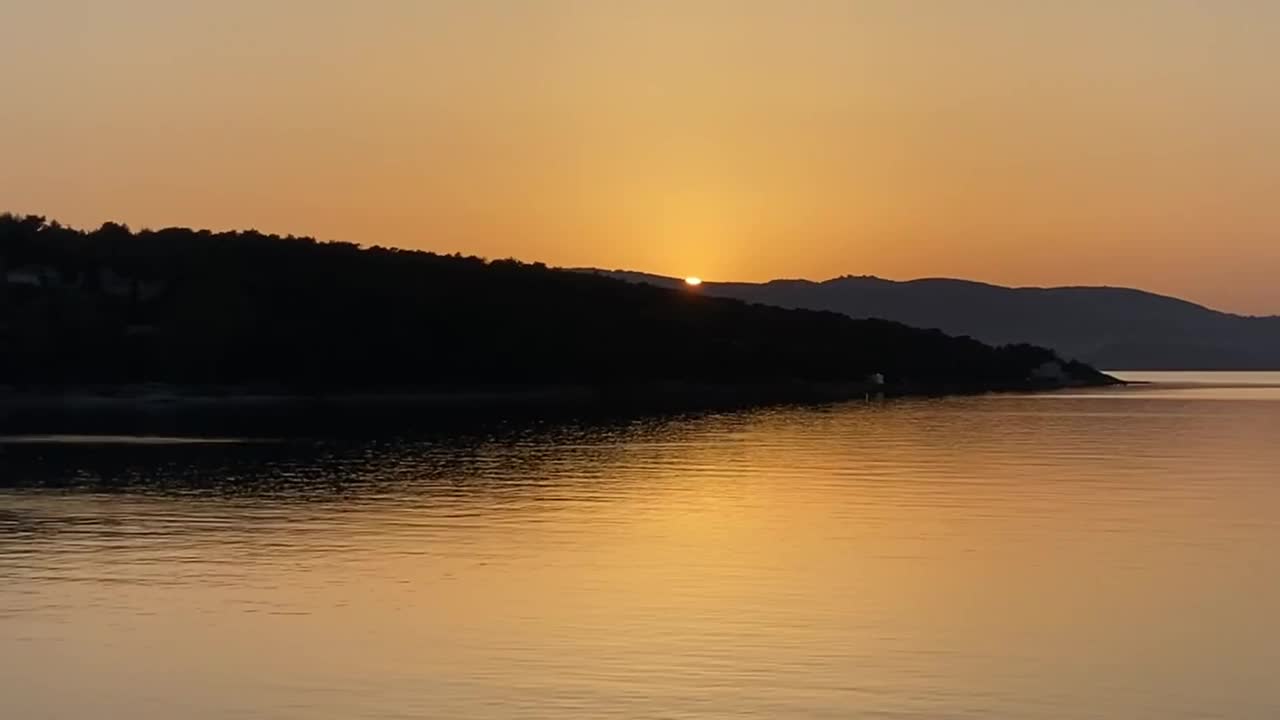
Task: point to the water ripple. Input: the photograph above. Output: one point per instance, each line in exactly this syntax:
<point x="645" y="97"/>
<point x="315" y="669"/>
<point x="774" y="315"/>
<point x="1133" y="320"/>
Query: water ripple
<point x="1093" y="554"/>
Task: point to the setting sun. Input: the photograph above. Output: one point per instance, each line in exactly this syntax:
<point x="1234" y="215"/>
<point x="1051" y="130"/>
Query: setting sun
<point x="693" y="281"/>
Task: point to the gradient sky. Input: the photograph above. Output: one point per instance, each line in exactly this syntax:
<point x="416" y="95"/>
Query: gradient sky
<point x="1038" y="143"/>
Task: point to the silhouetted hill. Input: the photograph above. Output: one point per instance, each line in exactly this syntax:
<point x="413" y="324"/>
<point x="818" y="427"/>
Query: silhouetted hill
<point x="195" y="307"/>
<point x="1114" y="328"/>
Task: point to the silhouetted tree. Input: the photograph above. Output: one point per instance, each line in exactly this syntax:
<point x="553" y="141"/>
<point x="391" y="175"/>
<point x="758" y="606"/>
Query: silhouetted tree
<point x="244" y="307"/>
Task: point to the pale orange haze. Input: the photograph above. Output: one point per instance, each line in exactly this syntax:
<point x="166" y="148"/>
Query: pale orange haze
<point x="1087" y="142"/>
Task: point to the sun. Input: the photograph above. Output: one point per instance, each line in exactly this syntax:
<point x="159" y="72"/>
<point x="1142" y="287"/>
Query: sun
<point x="693" y="281"/>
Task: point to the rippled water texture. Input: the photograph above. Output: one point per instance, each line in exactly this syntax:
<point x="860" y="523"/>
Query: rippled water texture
<point x="1104" y="554"/>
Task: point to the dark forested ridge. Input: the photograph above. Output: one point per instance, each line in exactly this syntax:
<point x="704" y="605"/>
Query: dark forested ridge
<point x="1114" y="328"/>
<point x="189" y="307"/>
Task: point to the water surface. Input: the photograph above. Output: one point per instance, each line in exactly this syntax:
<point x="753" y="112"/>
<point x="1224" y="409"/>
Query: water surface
<point x="1101" y="554"/>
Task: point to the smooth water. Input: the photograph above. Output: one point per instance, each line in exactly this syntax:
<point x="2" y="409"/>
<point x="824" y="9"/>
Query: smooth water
<point x="1103" y="554"/>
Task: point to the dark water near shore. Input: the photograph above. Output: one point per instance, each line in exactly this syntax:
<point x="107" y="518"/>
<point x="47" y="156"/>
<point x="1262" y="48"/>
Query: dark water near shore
<point x="1098" y="554"/>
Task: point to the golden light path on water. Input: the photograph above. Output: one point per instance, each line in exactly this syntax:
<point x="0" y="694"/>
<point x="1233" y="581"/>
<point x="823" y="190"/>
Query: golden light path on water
<point x="1098" y="554"/>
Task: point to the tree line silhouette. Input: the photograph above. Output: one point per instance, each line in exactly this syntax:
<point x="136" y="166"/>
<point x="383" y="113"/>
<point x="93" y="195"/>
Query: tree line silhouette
<point x="113" y="306"/>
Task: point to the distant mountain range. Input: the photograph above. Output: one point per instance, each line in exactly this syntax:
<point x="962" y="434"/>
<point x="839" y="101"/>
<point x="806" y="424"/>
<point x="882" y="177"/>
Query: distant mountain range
<point x="1107" y="327"/>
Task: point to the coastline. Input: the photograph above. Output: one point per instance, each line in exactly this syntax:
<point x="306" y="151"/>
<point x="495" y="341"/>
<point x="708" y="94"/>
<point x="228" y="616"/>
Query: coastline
<point x="175" y="399"/>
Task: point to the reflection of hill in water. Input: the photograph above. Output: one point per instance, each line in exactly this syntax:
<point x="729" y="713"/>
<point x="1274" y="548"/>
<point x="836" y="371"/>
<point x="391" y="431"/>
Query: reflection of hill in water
<point x="431" y="454"/>
<point x="136" y="489"/>
<point x="499" y="473"/>
<point x="784" y="551"/>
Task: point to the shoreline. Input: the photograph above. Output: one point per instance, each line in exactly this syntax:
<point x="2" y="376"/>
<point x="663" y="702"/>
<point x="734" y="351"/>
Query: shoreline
<point x="177" y="399"/>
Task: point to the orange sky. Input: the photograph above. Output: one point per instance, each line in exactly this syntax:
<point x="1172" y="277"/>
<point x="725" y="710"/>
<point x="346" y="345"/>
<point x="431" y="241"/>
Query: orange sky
<point x="1088" y="142"/>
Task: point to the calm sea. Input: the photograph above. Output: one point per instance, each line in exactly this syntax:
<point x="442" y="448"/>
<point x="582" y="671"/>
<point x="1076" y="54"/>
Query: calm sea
<point x="1101" y="554"/>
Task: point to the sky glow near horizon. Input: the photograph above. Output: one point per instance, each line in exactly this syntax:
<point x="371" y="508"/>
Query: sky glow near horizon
<point x="1125" y="143"/>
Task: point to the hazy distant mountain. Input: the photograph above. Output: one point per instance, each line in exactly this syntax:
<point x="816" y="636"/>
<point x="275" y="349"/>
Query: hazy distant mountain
<point x="1115" y="328"/>
<point x="111" y="308"/>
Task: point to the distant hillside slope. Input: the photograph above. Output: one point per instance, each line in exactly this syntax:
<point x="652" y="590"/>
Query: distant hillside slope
<point x="1115" y="328"/>
<point x="113" y="307"/>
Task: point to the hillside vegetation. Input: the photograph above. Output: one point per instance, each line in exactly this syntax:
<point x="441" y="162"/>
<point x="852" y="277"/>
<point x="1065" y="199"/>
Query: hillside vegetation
<point x="112" y="306"/>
